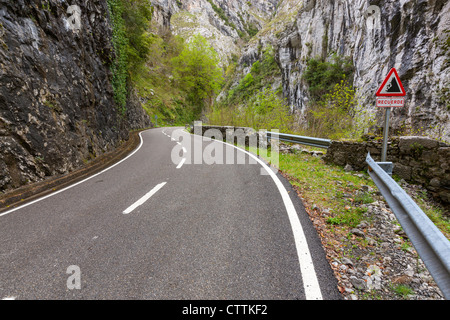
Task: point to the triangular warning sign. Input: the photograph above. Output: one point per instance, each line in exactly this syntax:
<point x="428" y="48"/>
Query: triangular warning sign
<point x="392" y="86"/>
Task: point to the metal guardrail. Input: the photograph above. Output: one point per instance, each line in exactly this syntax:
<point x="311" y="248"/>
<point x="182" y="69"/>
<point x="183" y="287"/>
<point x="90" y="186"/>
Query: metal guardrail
<point x="309" y="141"/>
<point x="431" y="245"/>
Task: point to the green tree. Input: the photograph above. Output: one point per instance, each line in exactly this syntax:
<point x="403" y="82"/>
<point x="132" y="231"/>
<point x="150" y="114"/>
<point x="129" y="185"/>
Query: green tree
<point x="196" y="71"/>
<point x="137" y="15"/>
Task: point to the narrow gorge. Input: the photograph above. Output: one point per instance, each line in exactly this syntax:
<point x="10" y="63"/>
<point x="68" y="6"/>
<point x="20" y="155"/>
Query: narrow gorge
<point x="57" y="100"/>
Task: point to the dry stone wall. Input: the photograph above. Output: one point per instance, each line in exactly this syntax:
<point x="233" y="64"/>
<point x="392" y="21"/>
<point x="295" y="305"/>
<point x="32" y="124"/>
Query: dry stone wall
<point x="416" y="159"/>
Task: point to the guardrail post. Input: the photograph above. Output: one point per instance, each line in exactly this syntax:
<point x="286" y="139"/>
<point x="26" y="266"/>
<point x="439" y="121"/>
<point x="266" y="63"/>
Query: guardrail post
<point x="388" y="167"/>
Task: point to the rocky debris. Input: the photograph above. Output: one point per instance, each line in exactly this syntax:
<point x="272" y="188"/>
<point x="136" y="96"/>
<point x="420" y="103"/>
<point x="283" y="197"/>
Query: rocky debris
<point x="377" y="262"/>
<point x="296" y="148"/>
<point x="373" y="257"/>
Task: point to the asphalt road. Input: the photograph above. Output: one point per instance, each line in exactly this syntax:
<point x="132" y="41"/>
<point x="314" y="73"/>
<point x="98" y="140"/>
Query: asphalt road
<point x="149" y="228"/>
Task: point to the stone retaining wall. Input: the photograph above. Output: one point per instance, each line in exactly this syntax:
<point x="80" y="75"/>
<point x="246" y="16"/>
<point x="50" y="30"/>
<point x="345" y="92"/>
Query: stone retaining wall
<point x="419" y="160"/>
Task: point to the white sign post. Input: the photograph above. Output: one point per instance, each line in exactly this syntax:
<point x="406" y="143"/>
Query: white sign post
<point x="390" y="94"/>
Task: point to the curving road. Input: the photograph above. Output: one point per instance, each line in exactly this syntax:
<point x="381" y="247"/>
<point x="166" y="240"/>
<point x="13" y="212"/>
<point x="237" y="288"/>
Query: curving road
<point x="149" y="228"/>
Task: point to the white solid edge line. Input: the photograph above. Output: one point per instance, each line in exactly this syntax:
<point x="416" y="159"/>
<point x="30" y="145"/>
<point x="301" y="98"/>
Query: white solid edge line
<point x="75" y="184"/>
<point x="309" y="276"/>
<point x="181" y="163"/>
<point x="142" y="200"/>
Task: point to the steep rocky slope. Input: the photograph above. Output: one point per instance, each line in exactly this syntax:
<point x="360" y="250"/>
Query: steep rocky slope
<point x="56" y="100"/>
<point x="227" y="24"/>
<point x="412" y="36"/>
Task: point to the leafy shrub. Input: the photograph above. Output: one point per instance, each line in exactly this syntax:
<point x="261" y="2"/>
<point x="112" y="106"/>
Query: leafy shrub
<point x="322" y="76"/>
<point x="265" y="110"/>
<point x="130" y="20"/>
<point x="260" y="76"/>
<point x="196" y="71"/>
<point x="338" y="114"/>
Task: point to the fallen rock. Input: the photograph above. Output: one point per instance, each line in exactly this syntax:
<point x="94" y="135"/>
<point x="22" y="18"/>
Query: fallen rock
<point x="347" y="261"/>
<point x="357" y="232"/>
<point x="359" y="284"/>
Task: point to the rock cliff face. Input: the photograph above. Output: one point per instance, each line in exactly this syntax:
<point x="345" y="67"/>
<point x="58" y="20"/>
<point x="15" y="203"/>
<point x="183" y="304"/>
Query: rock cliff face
<point x="226" y="24"/>
<point x="411" y="35"/>
<point x="56" y="101"/>
<point x="163" y="11"/>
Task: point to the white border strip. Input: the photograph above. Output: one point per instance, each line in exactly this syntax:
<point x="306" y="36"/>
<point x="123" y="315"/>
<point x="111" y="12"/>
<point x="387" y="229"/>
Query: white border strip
<point x="142" y="200"/>
<point x="181" y="163"/>
<point x="80" y="182"/>
<point x="309" y="276"/>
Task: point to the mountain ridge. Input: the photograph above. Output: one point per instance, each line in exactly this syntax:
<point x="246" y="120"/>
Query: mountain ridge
<point x="412" y="36"/>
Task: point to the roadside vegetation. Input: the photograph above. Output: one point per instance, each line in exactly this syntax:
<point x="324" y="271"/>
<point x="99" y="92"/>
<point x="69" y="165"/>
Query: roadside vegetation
<point x="343" y="195"/>
<point x="253" y="102"/>
<point x="173" y="78"/>
<point x="339" y="202"/>
<point x="328" y="187"/>
<point x="178" y="81"/>
<point x="334" y="110"/>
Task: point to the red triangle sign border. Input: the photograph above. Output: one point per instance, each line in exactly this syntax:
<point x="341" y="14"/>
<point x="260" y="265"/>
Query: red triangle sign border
<point x="403" y="93"/>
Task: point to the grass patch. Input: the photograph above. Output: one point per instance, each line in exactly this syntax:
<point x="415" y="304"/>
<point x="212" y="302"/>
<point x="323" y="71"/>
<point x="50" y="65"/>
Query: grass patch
<point x="343" y="195"/>
<point x="403" y="291"/>
<point x="436" y="214"/>
<point x="328" y="187"/>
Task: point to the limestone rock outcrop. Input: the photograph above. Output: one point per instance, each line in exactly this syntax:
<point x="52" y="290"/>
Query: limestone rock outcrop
<point x="57" y="109"/>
